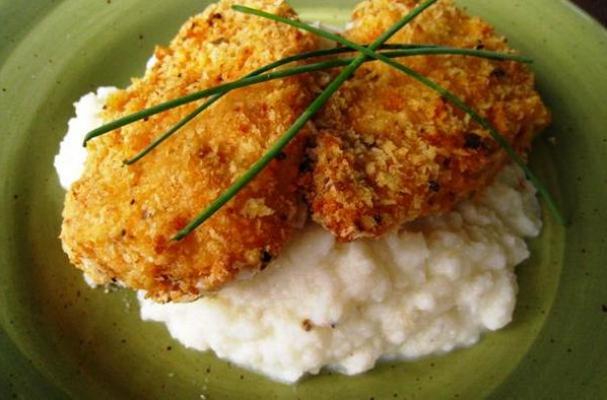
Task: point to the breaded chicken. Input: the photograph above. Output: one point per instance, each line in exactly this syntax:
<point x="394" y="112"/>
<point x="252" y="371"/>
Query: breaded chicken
<point x="390" y="150"/>
<point x="119" y="220"/>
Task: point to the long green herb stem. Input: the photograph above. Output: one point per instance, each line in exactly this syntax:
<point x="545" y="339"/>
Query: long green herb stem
<point x="259" y="76"/>
<point x="452" y="98"/>
<point x="148" y="112"/>
<point x="277" y="147"/>
<point x="156" y="142"/>
<point x="406" y="52"/>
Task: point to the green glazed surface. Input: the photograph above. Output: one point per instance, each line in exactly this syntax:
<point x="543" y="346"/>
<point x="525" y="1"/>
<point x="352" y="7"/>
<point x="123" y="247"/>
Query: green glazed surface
<point x="61" y="339"/>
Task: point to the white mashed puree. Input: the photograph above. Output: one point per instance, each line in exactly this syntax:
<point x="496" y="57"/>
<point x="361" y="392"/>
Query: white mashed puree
<point x="434" y="287"/>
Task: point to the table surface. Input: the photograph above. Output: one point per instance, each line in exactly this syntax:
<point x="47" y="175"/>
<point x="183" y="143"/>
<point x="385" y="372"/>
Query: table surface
<point x="597" y="8"/>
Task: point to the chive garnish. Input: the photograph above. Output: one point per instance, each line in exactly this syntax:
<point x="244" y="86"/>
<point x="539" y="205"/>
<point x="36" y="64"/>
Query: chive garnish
<point x="452" y="98"/>
<point x="260" y="76"/>
<point x="405" y="52"/>
<point x="156" y="142"/>
<point x="277" y="147"/>
<point x="148" y="112"/>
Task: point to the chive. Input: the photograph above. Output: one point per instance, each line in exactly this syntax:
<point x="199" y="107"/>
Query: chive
<point x="406" y="52"/>
<point x="257" y="77"/>
<point x="148" y="112"/>
<point x="277" y="147"/>
<point x="456" y="101"/>
<point x="318" y="53"/>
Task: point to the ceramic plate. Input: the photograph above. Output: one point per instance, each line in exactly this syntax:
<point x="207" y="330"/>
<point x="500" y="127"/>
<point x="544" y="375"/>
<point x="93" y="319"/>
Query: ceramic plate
<point x="61" y="339"/>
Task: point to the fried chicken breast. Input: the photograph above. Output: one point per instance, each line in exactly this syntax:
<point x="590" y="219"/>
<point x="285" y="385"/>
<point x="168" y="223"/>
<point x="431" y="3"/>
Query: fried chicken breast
<point x="119" y="220"/>
<point x="390" y="150"/>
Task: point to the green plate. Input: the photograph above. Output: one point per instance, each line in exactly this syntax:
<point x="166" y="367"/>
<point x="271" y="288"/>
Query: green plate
<point x="61" y="339"/>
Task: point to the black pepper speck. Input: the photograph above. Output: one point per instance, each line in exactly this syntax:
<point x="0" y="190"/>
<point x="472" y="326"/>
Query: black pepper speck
<point x="498" y="73"/>
<point x="306" y="165"/>
<point x="306" y="324"/>
<point x="472" y="141"/>
<point x="266" y="256"/>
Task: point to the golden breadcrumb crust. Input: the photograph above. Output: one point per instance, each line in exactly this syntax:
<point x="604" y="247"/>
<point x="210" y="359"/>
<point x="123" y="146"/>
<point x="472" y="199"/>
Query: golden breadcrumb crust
<point x="118" y="220"/>
<point x="389" y="150"/>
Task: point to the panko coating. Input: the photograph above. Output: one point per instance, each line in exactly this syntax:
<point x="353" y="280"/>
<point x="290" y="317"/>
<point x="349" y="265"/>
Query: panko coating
<point x="119" y="220"/>
<point x="389" y="150"/>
